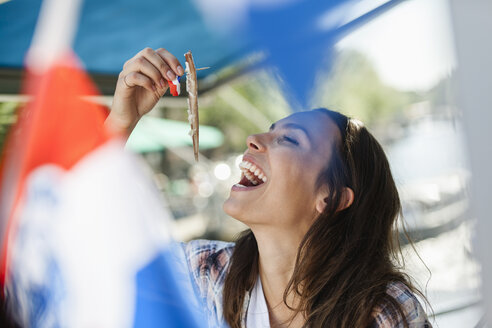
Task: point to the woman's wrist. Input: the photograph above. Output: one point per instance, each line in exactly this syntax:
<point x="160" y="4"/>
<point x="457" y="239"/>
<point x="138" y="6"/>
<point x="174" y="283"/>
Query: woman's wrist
<point x="119" y="125"/>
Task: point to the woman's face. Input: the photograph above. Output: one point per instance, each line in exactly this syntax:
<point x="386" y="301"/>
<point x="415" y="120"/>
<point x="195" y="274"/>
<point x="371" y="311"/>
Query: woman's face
<point x="287" y="162"/>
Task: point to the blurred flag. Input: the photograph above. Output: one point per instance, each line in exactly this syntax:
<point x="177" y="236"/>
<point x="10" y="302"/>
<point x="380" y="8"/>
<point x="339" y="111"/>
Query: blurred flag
<point x="290" y="33"/>
<point x="295" y="37"/>
<point x="85" y="234"/>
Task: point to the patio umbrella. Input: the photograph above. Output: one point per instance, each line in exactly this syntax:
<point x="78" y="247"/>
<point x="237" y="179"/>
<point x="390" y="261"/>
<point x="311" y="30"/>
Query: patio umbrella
<point x="156" y="134"/>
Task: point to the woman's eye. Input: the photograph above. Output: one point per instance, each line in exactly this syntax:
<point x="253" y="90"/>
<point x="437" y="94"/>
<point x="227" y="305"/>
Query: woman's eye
<point x="289" y="139"/>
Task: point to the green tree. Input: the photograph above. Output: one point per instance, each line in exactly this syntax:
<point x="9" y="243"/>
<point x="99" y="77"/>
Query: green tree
<point x="353" y="87"/>
<point x="7" y="118"/>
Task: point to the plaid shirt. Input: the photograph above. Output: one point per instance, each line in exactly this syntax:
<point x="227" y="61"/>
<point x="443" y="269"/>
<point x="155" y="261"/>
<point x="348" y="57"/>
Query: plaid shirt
<point x="208" y="263"/>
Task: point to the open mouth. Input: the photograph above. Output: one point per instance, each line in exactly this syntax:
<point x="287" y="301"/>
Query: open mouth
<point x="252" y="175"/>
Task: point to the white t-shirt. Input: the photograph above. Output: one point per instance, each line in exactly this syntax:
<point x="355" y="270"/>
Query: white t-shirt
<point x="257" y="316"/>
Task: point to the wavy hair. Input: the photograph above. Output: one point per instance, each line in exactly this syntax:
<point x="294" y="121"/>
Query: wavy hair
<point x="347" y="258"/>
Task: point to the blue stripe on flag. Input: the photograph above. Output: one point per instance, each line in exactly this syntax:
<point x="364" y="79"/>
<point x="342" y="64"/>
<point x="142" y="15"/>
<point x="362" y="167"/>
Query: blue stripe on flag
<point x="161" y="299"/>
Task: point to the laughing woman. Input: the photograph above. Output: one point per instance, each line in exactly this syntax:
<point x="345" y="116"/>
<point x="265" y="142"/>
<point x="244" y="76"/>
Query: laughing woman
<point x="321" y="205"/>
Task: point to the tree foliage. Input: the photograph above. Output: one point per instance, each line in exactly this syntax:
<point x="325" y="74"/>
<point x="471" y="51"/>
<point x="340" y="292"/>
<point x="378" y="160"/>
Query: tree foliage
<point x="354" y="88"/>
<point x="7" y="118"/>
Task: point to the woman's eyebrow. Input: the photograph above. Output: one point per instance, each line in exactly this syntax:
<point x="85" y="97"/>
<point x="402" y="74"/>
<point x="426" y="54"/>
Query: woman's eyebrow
<point x="292" y="126"/>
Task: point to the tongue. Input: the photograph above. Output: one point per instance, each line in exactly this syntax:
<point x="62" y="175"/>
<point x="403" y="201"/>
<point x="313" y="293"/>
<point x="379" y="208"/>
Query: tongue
<point x="245" y="182"/>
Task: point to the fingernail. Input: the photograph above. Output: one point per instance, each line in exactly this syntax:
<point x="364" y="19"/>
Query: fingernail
<point x="180" y="70"/>
<point x="170" y="75"/>
<point x="162" y="83"/>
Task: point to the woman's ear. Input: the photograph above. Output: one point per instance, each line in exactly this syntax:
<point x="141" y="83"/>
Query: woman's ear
<point x="346" y="200"/>
<point x="321" y="201"/>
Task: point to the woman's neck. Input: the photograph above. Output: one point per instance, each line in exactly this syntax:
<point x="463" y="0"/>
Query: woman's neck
<point x="277" y="257"/>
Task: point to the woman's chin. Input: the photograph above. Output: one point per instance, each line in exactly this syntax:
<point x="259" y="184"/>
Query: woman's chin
<point x="235" y="209"/>
<point x="230" y="208"/>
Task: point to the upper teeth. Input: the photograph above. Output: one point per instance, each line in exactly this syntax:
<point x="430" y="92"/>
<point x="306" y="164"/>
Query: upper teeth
<point x="249" y="169"/>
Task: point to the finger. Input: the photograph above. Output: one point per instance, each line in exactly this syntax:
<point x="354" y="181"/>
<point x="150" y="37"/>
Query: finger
<point x="142" y="65"/>
<point x="138" y="79"/>
<point x="156" y="60"/>
<point x="133" y="79"/>
<point x="171" y="60"/>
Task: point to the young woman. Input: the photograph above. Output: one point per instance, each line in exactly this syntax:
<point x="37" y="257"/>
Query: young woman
<point x="318" y="196"/>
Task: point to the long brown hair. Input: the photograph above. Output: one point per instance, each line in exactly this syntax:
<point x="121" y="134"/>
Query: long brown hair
<point x="347" y="258"/>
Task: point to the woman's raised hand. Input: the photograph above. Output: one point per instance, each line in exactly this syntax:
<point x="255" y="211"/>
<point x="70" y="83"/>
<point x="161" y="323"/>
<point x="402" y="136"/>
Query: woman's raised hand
<point x="141" y="84"/>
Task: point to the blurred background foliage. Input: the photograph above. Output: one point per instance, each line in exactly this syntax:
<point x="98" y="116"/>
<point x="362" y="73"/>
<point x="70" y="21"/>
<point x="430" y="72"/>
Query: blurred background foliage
<point x="8" y="115"/>
<point x="354" y="87"/>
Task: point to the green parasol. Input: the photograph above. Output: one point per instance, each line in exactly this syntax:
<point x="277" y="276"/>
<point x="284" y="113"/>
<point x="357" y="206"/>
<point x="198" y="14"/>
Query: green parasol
<point x="155" y="134"/>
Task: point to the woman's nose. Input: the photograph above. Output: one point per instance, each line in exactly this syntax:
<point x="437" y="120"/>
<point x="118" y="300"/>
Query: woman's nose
<point x="255" y="142"/>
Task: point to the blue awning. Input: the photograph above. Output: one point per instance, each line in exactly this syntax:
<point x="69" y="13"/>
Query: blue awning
<point x="111" y="32"/>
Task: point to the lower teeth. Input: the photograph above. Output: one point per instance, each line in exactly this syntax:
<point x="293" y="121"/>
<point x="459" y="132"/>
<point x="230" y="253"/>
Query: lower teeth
<point x="239" y="185"/>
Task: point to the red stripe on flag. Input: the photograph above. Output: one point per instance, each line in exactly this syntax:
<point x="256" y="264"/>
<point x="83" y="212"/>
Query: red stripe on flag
<point x="173" y="89"/>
